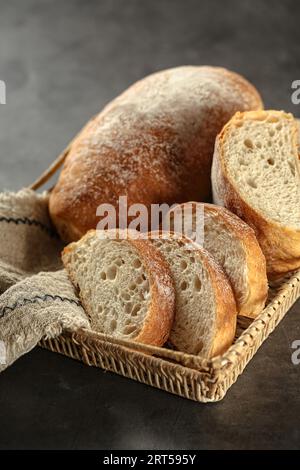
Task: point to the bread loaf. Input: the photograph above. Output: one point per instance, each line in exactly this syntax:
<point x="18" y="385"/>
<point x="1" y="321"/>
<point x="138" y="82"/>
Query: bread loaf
<point x="125" y="286"/>
<point x="153" y="144"/>
<point x="233" y="245"/>
<point x="255" y="174"/>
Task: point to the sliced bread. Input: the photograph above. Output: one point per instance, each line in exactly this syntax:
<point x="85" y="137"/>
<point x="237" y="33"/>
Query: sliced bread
<point x="233" y="245"/>
<point x="255" y="174"/>
<point x="125" y="286"/>
<point x="205" y="318"/>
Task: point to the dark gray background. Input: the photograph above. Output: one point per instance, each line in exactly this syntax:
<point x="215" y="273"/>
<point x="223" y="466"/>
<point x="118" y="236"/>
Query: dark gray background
<point x="62" y="61"/>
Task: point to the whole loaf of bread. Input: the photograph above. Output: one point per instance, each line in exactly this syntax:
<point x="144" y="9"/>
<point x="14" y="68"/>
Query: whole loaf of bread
<point x="154" y="143"/>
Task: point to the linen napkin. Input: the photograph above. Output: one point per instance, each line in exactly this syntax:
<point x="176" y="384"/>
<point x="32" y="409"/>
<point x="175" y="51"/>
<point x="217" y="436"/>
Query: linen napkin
<point x="37" y="300"/>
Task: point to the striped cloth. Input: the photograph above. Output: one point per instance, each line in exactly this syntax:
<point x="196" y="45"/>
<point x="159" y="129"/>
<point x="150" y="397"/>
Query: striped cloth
<point x="37" y="299"/>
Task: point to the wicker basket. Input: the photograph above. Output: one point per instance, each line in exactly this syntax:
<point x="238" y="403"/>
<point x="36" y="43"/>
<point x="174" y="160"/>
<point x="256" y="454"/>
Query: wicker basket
<point x="181" y="374"/>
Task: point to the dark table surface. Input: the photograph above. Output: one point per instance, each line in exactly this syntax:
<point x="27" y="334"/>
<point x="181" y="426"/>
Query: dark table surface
<point x="62" y="61"/>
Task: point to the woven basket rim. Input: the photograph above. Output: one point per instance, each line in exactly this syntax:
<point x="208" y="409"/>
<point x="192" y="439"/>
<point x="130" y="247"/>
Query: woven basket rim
<point x="216" y="364"/>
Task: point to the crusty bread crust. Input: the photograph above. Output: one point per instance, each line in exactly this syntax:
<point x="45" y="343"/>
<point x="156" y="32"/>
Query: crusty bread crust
<point x="257" y="282"/>
<point x="280" y="245"/>
<point x="226" y="311"/>
<point x="159" y="319"/>
<point x="154" y="144"/>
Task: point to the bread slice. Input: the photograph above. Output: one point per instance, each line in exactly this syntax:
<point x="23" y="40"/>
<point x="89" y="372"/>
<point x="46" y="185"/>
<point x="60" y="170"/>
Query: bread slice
<point x="255" y="174"/>
<point x="124" y="285"/>
<point x="205" y="318"/>
<point x="233" y="245"/>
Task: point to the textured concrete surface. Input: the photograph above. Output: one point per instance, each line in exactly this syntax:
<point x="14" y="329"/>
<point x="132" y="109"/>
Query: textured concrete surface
<point x="62" y="61"/>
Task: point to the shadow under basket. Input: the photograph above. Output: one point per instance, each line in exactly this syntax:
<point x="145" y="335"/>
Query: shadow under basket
<point x="192" y="377"/>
